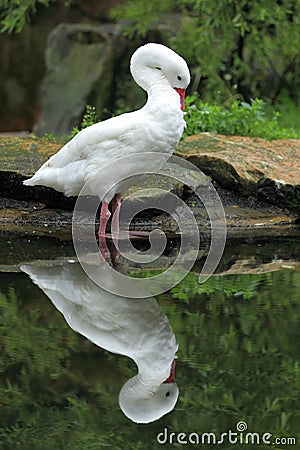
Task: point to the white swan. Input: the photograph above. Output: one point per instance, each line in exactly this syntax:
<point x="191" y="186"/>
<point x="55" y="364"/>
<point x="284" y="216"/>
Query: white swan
<point x="156" y="127"/>
<point x="136" y="328"/>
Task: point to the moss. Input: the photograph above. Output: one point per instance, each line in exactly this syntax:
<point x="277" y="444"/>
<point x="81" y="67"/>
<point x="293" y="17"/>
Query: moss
<point x="25" y="155"/>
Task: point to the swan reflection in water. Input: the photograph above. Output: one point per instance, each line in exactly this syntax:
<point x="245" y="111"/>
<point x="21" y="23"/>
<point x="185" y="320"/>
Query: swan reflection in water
<point x="136" y="328"/>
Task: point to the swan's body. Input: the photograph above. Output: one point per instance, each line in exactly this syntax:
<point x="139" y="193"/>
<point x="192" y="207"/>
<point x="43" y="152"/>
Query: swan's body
<point x="68" y="170"/>
<point x="156" y="127"/>
<point x="136" y="328"/>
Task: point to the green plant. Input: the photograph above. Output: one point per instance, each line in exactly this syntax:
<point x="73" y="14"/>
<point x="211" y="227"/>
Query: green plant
<point x="50" y="137"/>
<point x="15" y="14"/>
<point x="242" y="119"/>
<point x="288" y="109"/>
<point x="256" y="119"/>
<point x="90" y="118"/>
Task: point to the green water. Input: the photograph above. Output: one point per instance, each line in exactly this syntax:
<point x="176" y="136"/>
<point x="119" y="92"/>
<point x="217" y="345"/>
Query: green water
<point x="238" y="360"/>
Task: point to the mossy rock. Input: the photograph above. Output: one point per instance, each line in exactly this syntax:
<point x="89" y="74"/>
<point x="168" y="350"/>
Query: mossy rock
<point x="269" y="171"/>
<point x="19" y="159"/>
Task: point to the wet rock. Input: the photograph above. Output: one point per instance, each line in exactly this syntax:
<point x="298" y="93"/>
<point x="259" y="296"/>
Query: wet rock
<point x="23" y="156"/>
<point x="19" y="159"/>
<point x="80" y="61"/>
<point x="251" y="266"/>
<point x="268" y="171"/>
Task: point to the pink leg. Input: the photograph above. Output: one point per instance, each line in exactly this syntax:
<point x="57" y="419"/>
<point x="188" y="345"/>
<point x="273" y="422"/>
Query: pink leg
<point x="115" y="227"/>
<point x="116" y="203"/>
<point x="104" y="216"/>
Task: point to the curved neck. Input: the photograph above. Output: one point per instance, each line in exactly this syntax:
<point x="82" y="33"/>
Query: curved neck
<point x="153" y="373"/>
<point x="160" y="99"/>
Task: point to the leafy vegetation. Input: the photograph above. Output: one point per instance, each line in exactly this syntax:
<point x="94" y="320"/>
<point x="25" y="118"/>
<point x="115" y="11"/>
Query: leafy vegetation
<point x="236" y="48"/>
<point x="14" y="14"/>
<point x="243" y="119"/>
<point x="238" y="359"/>
<point x="236" y="119"/>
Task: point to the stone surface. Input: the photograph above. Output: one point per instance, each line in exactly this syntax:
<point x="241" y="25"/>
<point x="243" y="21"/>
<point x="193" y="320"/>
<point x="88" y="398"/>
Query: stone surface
<point x="268" y="171"/>
<point x="80" y="61"/>
<point x="25" y="155"/>
<point x="22" y="57"/>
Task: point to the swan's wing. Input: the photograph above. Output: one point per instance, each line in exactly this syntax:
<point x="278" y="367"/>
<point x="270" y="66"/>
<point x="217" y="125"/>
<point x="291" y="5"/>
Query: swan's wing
<point x="100" y="137"/>
<point x="68" y="170"/>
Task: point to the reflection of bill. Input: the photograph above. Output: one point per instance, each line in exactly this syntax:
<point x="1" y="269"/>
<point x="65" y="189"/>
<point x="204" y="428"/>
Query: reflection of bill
<point x="127" y="172"/>
<point x="136" y="328"/>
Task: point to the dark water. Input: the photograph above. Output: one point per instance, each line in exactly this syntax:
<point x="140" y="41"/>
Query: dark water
<point x="238" y="358"/>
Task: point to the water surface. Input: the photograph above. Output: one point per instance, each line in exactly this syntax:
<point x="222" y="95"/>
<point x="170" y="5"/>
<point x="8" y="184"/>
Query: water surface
<point x="238" y="359"/>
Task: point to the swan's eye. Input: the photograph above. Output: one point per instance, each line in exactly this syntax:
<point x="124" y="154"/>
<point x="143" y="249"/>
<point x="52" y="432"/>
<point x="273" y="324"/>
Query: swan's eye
<point x="158" y="68"/>
<point x="179" y="78"/>
<point x="168" y="394"/>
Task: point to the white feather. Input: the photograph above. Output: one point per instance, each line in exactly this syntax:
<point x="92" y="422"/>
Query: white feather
<point x="156" y="127"/>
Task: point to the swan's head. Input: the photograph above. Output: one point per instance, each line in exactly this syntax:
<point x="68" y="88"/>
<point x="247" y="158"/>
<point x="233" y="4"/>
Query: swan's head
<point x="154" y="65"/>
<point x="142" y="405"/>
<point x="145" y="408"/>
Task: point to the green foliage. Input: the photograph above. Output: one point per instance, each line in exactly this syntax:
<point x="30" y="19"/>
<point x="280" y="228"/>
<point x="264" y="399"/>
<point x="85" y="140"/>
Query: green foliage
<point x="49" y="136"/>
<point x="288" y="110"/>
<point x="141" y="15"/>
<point x="16" y="13"/>
<point x="90" y="118"/>
<point x="242" y="287"/>
<point x="236" y="48"/>
<point x="238" y="359"/>
<point x="37" y="351"/>
<point x="241" y="119"/>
